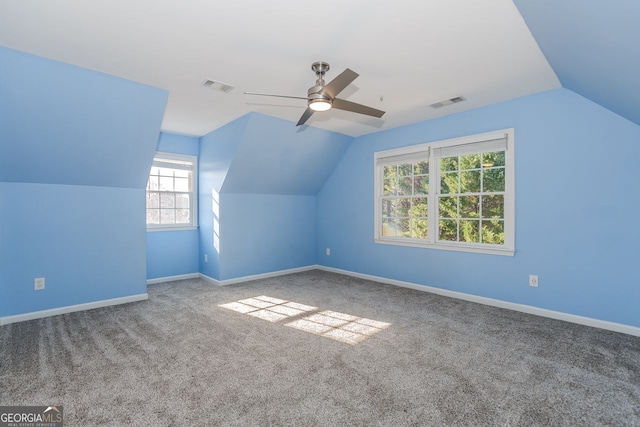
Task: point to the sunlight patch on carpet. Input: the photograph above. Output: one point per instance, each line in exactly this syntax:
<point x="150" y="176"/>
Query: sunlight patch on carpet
<point x="268" y="308"/>
<point x="341" y="327"/>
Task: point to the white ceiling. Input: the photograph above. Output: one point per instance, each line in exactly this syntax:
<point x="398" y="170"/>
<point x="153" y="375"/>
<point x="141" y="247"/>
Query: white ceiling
<point x="408" y="53"/>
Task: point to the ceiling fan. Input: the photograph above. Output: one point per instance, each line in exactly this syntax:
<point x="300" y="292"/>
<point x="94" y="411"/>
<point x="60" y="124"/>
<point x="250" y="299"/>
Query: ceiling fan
<point x="322" y="97"/>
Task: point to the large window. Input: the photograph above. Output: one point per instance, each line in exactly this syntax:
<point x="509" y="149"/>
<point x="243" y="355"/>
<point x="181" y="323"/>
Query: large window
<point x="456" y="194"/>
<point x="171" y="192"/>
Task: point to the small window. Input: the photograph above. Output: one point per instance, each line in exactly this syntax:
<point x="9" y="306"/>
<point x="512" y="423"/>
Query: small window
<point x="171" y="192"/>
<point x="456" y="194"/>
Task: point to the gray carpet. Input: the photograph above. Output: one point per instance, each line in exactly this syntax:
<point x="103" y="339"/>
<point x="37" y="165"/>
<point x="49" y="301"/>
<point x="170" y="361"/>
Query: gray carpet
<point x="382" y="356"/>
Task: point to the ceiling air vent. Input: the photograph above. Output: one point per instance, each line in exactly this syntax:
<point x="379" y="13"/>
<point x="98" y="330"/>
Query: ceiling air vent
<point x="447" y="102"/>
<point x="219" y="86"/>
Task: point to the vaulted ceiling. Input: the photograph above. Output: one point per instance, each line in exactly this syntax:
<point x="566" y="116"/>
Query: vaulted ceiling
<point x="593" y="47"/>
<point x="408" y="53"/>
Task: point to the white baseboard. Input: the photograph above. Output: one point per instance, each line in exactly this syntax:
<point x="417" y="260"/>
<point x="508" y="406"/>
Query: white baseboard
<point x="235" y="280"/>
<point x="209" y="280"/>
<point x="71" y="308"/>
<point x="558" y="315"/>
<point x="173" y="278"/>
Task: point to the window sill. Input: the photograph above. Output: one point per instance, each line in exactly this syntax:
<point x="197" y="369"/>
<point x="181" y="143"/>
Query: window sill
<point x="172" y="228"/>
<point x="446" y="247"/>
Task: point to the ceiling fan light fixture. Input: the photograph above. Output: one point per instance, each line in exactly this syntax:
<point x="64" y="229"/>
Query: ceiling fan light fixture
<point x="320" y="104"/>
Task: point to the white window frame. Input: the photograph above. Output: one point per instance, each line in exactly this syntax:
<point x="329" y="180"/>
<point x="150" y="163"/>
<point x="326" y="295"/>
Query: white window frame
<point x="432" y="150"/>
<point x="193" y="191"/>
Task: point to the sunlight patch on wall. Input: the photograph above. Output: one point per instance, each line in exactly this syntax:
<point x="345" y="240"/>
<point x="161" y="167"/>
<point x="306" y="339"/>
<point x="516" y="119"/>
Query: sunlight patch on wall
<point x="215" y="208"/>
<point x="330" y="324"/>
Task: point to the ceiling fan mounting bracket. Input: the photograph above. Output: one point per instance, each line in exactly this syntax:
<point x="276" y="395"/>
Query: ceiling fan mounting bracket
<point x="320" y="68"/>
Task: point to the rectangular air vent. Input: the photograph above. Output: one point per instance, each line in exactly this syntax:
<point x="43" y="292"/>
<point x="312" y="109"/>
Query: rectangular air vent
<point x="219" y="86"/>
<point x="447" y="102"/>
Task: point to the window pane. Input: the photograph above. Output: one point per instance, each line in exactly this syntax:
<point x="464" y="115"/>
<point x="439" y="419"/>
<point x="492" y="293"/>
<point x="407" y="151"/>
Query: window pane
<point x="181" y="184"/>
<point x="166" y="183"/>
<point x="403" y="206"/>
<point x="470" y="231"/>
<point x="390" y="187"/>
<point x="390" y="171"/>
<point x="449" y="183"/>
<point x="471" y="161"/>
<point x="389" y="207"/>
<point x="165" y="172"/>
<point x="405" y="186"/>
<point x="153" y="200"/>
<point x="404" y="227"/>
<point x="153" y="216"/>
<point x="448" y="230"/>
<point x="152" y="184"/>
<point x="470" y="207"/>
<point x="493" y="206"/>
<point x="421" y="184"/>
<point x="493" y="159"/>
<point x="493" y="180"/>
<point x="167" y="200"/>
<point x="167" y="216"/>
<point x="421" y="168"/>
<point x="182" y="201"/>
<point x="449" y="164"/>
<point x="470" y="181"/>
<point x="170" y="194"/>
<point x="405" y="169"/>
<point x="419" y="228"/>
<point x="419" y="207"/>
<point x="388" y="227"/>
<point x="448" y="207"/>
<point x="493" y="232"/>
<point x="182" y="216"/>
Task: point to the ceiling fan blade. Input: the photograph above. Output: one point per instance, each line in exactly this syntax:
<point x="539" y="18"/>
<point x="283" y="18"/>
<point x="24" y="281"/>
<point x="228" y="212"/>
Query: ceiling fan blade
<point x="341" y="104"/>
<point x="277" y="96"/>
<point x="305" y="116"/>
<point x="335" y="86"/>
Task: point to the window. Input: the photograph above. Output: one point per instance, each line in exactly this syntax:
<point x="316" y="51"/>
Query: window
<point x="456" y="194"/>
<point x="171" y="195"/>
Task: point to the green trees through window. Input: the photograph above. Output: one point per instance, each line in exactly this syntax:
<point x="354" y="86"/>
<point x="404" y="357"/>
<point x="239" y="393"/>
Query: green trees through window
<point x="471" y="200"/>
<point x="405" y="203"/>
<point x="454" y="193"/>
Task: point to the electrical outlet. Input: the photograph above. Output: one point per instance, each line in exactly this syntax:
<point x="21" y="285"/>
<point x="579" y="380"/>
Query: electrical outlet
<point x="206" y="258"/>
<point x="533" y="280"/>
<point x="38" y="284"/>
<point x="328" y="251"/>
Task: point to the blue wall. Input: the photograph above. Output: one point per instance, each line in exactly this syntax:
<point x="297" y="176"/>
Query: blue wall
<point x="217" y="150"/>
<point x="175" y="252"/>
<point x="261" y="233"/>
<point x="574" y="210"/>
<point x="592" y="47"/>
<point x="79" y="128"/>
<point x="88" y="243"/>
<point x="74" y="159"/>
<point x="258" y="179"/>
<point x="276" y="157"/>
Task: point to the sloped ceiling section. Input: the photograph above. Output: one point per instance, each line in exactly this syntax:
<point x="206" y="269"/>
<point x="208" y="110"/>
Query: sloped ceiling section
<point x="217" y="151"/>
<point x="592" y="46"/>
<point x="276" y="157"/>
<point x="62" y="124"/>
